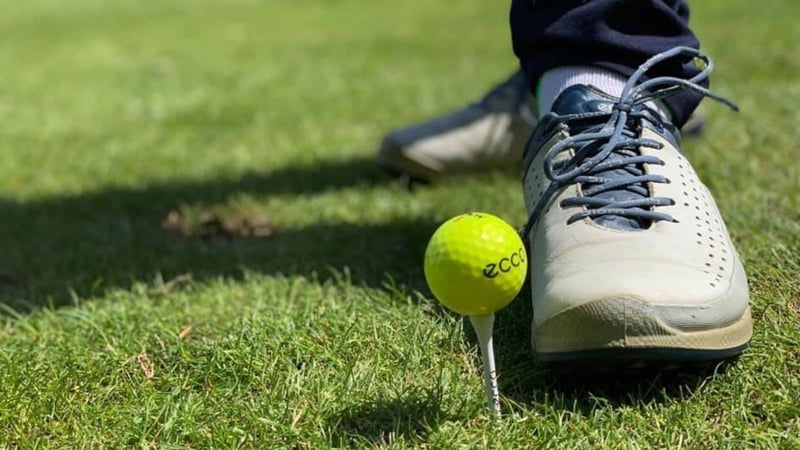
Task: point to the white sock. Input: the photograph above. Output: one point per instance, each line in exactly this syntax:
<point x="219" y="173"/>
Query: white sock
<point x="554" y="81"/>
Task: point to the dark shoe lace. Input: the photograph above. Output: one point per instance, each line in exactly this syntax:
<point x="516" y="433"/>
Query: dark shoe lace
<point x="614" y="145"/>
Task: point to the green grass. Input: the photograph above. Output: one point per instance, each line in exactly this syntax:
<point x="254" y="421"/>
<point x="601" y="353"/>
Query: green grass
<point x="117" y="333"/>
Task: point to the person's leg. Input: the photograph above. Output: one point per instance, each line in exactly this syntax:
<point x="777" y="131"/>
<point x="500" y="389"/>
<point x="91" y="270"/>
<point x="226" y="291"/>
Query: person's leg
<point x="630" y="260"/>
<point x="615" y="35"/>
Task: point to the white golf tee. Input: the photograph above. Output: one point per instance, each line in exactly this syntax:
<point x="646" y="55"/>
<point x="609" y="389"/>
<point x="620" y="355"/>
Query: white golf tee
<point x="484" y="326"/>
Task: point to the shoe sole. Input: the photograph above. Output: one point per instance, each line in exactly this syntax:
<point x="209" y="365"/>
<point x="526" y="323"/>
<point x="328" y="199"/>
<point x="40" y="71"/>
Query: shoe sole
<point x="628" y="332"/>
<point x="397" y="164"/>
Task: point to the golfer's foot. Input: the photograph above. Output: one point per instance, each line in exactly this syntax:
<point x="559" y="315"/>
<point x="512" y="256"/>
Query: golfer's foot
<point x="489" y="134"/>
<point x="630" y="260"/>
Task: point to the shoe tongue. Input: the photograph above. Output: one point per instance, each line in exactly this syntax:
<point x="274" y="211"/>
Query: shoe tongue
<point x="580" y="99"/>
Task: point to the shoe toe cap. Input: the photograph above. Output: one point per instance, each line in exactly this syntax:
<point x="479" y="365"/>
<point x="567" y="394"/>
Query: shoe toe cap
<point x="683" y="297"/>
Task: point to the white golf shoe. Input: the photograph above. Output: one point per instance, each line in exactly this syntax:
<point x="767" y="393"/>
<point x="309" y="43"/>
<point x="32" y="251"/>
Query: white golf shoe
<point x="488" y="134"/>
<point x="630" y="259"/>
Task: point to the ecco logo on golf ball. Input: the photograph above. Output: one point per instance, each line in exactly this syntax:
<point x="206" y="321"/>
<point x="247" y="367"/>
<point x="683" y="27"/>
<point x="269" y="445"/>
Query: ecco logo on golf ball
<point x="492" y="270"/>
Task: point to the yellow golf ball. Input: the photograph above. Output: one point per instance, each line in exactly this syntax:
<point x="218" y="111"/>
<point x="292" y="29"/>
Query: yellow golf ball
<point x="475" y="264"/>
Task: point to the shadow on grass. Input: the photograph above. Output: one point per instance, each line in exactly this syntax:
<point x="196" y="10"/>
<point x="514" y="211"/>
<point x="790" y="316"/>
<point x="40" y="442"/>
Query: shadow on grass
<point x="382" y="422"/>
<point x="584" y="394"/>
<point x="112" y="238"/>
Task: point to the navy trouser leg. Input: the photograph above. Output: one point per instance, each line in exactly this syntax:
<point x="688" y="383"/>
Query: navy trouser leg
<point x="615" y="34"/>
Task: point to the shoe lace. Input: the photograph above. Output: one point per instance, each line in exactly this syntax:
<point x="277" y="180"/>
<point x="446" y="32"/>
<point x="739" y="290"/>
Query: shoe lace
<point x="614" y="144"/>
